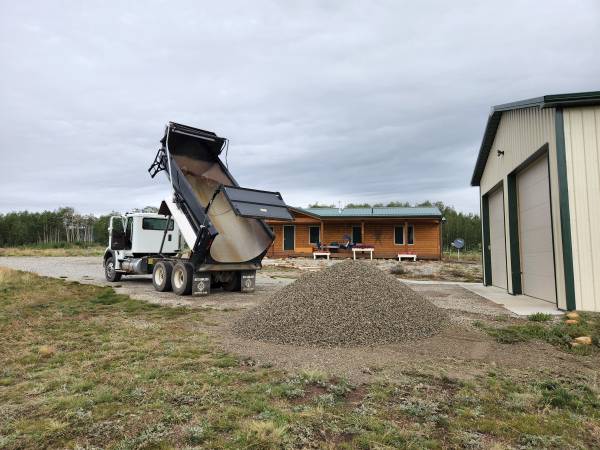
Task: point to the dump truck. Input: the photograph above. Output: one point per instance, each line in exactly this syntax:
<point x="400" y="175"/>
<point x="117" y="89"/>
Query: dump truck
<point x="221" y="223"/>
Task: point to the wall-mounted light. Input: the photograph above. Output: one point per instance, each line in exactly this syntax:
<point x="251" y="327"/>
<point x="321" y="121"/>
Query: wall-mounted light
<point x="500" y="153"/>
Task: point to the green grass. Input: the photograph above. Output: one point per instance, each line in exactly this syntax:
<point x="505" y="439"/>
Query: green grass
<point x="540" y="317"/>
<point x="460" y="272"/>
<point x="470" y="256"/>
<point x="556" y="333"/>
<point x="56" y="249"/>
<point x="82" y="366"/>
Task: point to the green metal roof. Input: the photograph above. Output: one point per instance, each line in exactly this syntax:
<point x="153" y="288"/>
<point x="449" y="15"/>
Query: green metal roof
<point x="373" y="212"/>
<point x="547" y="101"/>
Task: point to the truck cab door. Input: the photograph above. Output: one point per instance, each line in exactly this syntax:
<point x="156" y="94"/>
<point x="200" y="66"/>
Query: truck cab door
<point x="117" y="233"/>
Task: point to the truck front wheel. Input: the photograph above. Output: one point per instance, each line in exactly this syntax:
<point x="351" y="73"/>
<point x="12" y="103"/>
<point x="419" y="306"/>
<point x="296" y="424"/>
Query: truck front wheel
<point x="161" y="276"/>
<point x="110" y="272"/>
<point x="183" y="276"/>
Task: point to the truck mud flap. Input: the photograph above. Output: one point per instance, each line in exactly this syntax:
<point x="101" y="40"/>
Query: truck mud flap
<point x="248" y="281"/>
<point x="201" y="285"/>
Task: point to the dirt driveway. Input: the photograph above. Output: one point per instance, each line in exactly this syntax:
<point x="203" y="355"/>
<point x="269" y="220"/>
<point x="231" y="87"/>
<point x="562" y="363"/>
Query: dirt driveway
<point x="461" y="350"/>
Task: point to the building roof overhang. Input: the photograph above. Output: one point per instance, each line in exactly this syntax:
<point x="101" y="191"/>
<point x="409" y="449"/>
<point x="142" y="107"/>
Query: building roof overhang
<point x="370" y="213"/>
<point x="547" y="101"/>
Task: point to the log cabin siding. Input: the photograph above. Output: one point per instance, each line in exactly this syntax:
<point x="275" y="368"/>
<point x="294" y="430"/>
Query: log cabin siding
<point x="301" y="243"/>
<point x="377" y="232"/>
<point x="426" y="239"/>
<point x="335" y="232"/>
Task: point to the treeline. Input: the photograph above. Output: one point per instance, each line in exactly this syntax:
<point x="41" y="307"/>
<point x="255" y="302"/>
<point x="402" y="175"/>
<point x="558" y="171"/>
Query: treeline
<point x="62" y="226"/>
<point x="54" y="228"/>
<point x="66" y="226"/>
<point x="457" y="224"/>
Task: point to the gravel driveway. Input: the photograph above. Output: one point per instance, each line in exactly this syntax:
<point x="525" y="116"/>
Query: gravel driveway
<point x="89" y="270"/>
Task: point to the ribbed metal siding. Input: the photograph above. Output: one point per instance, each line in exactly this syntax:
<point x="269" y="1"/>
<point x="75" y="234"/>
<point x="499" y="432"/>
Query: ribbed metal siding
<point x="582" y="145"/>
<point x="520" y="134"/>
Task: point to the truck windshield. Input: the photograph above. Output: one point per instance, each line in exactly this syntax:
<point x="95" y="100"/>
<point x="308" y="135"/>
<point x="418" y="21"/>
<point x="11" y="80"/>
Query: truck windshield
<point x="151" y="223"/>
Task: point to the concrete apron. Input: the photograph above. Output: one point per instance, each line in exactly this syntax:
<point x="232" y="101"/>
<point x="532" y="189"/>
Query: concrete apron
<point x="522" y="305"/>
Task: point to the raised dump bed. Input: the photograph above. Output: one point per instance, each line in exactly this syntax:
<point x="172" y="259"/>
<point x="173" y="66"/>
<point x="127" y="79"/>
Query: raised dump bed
<point x="221" y="222"/>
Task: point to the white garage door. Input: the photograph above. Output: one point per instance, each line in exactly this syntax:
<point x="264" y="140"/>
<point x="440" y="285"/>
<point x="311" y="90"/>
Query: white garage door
<point x="497" y="240"/>
<point x="535" y="232"/>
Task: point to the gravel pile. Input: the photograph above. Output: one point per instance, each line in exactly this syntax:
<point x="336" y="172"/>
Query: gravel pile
<point x="349" y="303"/>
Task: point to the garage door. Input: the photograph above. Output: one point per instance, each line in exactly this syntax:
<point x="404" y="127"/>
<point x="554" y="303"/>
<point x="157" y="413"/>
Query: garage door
<point x="497" y="240"/>
<point x="535" y="232"/>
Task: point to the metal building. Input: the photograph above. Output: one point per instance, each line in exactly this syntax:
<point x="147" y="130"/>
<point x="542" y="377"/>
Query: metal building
<point x="538" y="172"/>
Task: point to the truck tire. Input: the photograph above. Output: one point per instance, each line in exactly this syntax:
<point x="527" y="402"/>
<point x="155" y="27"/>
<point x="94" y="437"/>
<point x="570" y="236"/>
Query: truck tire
<point x="234" y="284"/>
<point x="110" y="272"/>
<point x="182" y="278"/>
<point x="161" y="276"/>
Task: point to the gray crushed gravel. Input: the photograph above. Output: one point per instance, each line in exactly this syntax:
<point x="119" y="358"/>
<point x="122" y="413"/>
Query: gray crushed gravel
<point x="349" y="303"/>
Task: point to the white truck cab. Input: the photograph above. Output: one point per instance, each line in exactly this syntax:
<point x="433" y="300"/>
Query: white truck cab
<point x="134" y="237"/>
<point x="142" y="233"/>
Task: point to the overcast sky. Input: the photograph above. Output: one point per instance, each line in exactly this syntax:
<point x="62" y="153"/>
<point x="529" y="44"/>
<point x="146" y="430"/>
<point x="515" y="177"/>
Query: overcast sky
<point x="323" y="101"/>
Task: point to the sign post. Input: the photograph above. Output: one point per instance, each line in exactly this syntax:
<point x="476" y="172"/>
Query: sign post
<point x="458" y="244"/>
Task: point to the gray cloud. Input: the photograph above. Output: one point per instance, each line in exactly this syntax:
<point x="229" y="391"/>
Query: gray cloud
<point x="327" y="101"/>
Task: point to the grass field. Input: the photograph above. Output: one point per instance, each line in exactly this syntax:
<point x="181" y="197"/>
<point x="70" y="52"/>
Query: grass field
<point x="84" y="367"/>
<point x="558" y="333"/>
<point x="470" y="256"/>
<point x="53" y="250"/>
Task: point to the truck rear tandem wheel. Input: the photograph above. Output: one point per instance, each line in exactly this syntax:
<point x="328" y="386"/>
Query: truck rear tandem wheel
<point x="234" y="283"/>
<point x="182" y="278"/>
<point x="228" y="280"/>
<point x="162" y="276"/>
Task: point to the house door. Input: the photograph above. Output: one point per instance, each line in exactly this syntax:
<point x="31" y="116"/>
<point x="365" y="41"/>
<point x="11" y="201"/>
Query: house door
<point x="535" y="232"/>
<point x="356" y="234"/>
<point x="289" y="237"/>
<point x="497" y="238"/>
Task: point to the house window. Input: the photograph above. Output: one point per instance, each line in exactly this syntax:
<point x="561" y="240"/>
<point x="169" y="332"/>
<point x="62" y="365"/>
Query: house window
<point x="314" y="235"/>
<point x="410" y="235"/>
<point x="399" y="235"/>
<point x="356" y="234"/>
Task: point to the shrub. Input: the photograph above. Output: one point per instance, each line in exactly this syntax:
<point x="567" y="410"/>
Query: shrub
<point x="540" y="317"/>
<point x="398" y="270"/>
